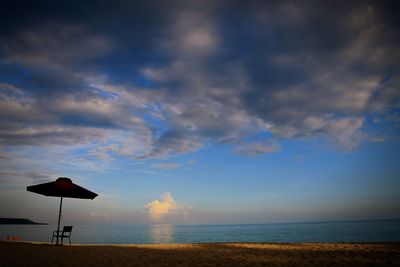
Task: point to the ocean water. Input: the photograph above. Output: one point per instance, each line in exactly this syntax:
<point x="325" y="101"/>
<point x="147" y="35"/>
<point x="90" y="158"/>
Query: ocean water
<point x="359" y="231"/>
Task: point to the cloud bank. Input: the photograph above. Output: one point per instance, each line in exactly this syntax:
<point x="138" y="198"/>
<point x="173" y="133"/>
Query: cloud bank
<point x="203" y="74"/>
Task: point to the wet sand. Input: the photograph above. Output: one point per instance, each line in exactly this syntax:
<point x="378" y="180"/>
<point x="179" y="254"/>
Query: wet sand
<point x="216" y="254"/>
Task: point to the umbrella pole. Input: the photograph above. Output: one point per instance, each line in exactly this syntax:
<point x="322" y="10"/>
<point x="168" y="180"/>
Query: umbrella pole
<point x="59" y="218"/>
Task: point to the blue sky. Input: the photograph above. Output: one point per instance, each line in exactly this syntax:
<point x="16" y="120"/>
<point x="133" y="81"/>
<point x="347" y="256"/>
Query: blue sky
<point x="201" y="111"/>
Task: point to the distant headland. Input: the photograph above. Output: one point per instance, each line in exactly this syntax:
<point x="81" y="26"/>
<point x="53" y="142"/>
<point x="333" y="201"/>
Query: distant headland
<point x="18" y="221"/>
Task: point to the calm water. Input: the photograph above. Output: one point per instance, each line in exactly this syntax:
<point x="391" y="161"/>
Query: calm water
<point x="367" y="231"/>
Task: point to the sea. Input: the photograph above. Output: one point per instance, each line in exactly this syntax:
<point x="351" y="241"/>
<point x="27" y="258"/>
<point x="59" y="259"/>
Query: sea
<point x="351" y="231"/>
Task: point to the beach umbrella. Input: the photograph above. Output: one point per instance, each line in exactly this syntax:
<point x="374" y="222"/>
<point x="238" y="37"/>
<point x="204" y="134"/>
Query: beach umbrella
<point x="62" y="187"/>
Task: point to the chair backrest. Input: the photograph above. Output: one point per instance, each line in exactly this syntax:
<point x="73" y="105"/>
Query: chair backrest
<point x="67" y="229"/>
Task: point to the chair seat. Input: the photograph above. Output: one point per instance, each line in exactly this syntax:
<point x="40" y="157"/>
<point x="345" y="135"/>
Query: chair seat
<point x="65" y="233"/>
<point x="61" y="235"/>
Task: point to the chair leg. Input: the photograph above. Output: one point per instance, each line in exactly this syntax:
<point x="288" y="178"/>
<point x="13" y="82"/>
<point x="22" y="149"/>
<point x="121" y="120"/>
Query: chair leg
<point x="52" y="240"/>
<point x="69" y="238"/>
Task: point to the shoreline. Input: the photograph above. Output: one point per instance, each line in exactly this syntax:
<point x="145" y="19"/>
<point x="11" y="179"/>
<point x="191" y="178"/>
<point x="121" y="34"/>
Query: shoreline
<point x="23" y="253"/>
<point x="396" y="243"/>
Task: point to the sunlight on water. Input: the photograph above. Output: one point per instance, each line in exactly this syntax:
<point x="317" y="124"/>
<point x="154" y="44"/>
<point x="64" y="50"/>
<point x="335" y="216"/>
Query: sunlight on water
<point x="162" y="233"/>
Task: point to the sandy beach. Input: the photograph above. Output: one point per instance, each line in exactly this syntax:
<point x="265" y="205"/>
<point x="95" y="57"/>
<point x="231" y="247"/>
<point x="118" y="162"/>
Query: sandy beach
<point x="217" y="254"/>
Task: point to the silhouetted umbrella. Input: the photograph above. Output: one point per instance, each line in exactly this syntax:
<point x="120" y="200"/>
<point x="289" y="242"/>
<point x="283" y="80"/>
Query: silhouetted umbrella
<point x="62" y="187"/>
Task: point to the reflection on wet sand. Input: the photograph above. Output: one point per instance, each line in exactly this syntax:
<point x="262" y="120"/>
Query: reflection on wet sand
<point x="162" y="233"/>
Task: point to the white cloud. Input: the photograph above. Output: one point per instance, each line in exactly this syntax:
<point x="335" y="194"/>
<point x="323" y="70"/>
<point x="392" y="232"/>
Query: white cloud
<point x="167" y="210"/>
<point x="157" y="209"/>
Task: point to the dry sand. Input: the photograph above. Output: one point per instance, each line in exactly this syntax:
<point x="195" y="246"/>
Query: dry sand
<point x="220" y="254"/>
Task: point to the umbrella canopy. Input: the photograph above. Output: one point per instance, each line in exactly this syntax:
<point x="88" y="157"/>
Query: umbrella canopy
<point x="62" y="187"/>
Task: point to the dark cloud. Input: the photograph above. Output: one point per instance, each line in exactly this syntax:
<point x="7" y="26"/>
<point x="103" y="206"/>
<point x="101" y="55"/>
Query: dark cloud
<point x="145" y="79"/>
<point x="54" y="46"/>
<point x="171" y="143"/>
<point x="23" y="178"/>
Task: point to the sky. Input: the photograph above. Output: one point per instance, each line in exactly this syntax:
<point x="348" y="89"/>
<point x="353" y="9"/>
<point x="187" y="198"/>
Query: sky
<point x="201" y="112"/>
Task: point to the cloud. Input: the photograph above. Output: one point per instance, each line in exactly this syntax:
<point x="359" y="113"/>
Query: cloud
<point x="341" y="132"/>
<point x="54" y="45"/>
<point x="50" y="135"/>
<point x="388" y="97"/>
<point x="102" y="152"/>
<point x="323" y="87"/>
<point x="200" y="76"/>
<point x="99" y="216"/>
<point x="41" y="176"/>
<point x="257" y="148"/>
<point x="4" y="156"/>
<point x="166" y="166"/>
<point x="194" y="35"/>
<point x="19" y="178"/>
<point x="9" y="88"/>
<point x="345" y="132"/>
<point x="157" y="209"/>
